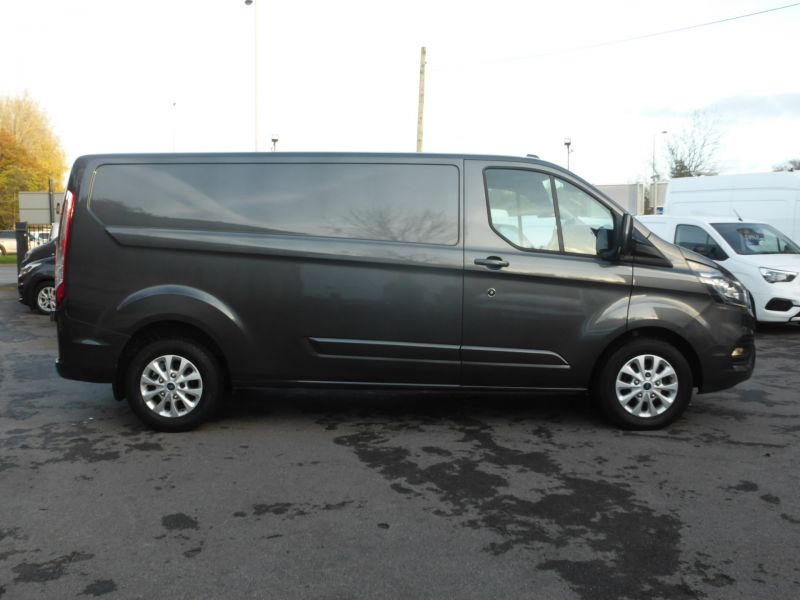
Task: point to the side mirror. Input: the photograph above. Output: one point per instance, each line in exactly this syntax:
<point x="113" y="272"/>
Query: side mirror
<point x="610" y="245"/>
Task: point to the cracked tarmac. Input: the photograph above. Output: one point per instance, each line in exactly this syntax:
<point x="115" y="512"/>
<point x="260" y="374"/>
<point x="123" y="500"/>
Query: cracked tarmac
<point x="316" y="494"/>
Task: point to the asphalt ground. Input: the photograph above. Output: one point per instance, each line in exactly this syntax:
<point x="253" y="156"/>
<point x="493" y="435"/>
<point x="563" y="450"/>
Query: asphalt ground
<point x="314" y="494"/>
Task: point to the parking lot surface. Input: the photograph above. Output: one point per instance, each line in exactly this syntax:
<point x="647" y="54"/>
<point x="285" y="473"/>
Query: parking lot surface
<point x="317" y="494"/>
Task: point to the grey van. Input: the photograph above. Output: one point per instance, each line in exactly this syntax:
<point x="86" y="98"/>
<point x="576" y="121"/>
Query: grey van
<point x="181" y="276"/>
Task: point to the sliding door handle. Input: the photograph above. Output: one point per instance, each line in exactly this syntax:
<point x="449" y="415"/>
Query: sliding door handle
<point x="491" y="262"/>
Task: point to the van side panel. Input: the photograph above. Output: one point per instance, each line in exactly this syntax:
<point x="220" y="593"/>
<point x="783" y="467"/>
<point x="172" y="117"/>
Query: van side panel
<point x="182" y="243"/>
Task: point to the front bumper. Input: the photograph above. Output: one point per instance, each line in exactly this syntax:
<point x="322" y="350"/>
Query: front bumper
<point x="726" y="369"/>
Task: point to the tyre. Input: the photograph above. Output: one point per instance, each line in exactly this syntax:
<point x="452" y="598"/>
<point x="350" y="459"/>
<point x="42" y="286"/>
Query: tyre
<point x="44" y="298"/>
<point x="173" y="384"/>
<point x="645" y="384"/>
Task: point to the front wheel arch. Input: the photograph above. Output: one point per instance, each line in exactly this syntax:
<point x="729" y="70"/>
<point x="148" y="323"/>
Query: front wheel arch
<point x="657" y="333"/>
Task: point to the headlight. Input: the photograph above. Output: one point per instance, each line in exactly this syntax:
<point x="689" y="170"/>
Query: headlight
<point x="777" y="276"/>
<point x="723" y="288"/>
<point x="26" y="269"/>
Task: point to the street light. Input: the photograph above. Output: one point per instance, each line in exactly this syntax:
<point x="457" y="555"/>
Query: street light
<point x="255" y="67"/>
<point x="568" y="143"/>
<point x="274" y="141"/>
<point x="655" y="174"/>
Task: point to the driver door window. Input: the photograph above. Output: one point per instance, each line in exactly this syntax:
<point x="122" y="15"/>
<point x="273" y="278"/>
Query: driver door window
<point x="521" y="208"/>
<point x="581" y="217"/>
<point x="535" y="211"/>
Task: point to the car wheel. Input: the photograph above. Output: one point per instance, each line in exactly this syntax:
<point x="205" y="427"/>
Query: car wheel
<point x="173" y="384"/>
<point x="44" y="298"/>
<point x="645" y="384"/>
<point x="2" y="251"/>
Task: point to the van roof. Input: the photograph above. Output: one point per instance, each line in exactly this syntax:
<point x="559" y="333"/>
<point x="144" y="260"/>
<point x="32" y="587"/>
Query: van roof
<point x="781" y="180"/>
<point x="332" y="155"/>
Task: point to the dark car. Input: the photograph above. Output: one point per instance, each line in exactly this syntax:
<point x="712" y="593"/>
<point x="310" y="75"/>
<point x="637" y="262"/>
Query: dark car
<point x="179" y="277"/>
<point x="36" y="277"/>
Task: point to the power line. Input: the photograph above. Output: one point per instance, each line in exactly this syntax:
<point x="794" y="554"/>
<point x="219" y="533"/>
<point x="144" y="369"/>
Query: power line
<point x="645" y="36"/>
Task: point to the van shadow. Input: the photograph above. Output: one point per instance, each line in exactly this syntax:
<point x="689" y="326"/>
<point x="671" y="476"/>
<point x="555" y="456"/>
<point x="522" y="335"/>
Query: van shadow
<point x="340" y="405"/>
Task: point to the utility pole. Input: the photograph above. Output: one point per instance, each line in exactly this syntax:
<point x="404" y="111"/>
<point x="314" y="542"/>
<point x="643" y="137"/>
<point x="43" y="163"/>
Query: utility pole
<point x="255" y="68"/>
<point x="421" y="104"/>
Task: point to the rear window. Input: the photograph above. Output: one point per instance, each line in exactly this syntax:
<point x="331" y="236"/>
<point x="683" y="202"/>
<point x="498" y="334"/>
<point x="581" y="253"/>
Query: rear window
<point x="405" y="203"/>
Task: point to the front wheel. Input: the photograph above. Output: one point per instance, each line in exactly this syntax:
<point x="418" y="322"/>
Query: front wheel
<point x="173" y="384"/>
<point x="44" y="298"/>
<point x="645" y="384"/>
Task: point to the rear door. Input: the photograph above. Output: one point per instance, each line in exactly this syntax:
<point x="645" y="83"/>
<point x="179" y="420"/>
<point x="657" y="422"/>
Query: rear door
<point x="539" y="304"/>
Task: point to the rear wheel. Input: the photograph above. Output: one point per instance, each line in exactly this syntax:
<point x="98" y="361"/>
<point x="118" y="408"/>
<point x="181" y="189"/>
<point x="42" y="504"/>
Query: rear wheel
<point x="645" y="384"/>
<point x="173" y="384"/>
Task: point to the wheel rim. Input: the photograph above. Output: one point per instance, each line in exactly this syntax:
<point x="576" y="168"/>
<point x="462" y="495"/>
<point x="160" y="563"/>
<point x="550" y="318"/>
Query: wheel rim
<point x="171" y="386"/>
<point x="646" y="386"/>
<point x="46" y="299"/>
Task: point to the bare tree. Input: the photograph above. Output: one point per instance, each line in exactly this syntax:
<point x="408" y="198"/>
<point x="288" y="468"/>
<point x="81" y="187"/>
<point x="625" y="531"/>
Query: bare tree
<point x="790" y="165"/>
<point x="693" y="151"/>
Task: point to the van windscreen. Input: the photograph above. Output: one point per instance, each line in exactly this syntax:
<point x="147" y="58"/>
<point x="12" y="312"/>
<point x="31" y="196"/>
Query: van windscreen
<point x="756" y="238"/>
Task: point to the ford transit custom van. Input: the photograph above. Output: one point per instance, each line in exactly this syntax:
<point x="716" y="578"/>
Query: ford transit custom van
<point x="180" y="276"/>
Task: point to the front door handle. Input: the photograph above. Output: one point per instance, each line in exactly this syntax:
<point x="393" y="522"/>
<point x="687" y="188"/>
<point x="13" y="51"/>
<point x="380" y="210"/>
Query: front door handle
<point x="491" y="262"/>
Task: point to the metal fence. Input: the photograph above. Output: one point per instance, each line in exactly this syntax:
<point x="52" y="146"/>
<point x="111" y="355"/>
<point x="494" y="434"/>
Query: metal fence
<point x="30" y="236"/>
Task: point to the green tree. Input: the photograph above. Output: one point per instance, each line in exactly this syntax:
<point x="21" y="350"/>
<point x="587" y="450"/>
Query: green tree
<point x="30" y="154"/>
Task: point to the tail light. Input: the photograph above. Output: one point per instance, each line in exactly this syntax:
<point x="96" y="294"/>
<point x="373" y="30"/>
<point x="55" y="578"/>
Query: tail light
<point x="62" y="246"/>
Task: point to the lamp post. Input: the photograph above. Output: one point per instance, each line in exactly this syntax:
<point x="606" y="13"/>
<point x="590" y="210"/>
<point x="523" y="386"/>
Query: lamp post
<point x="255" y="68"/>
<point x="568" y="143"/>
<point x="274" y="142"/>
<point x="655" y="174"/>
<point x="174" y="104"/>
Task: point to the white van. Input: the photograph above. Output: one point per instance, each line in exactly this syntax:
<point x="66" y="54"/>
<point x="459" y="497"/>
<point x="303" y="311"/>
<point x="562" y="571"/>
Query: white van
<point x="773" y="198"/>
<point x="765" y="260"/>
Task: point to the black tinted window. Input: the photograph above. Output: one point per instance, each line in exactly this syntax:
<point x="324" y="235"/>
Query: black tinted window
<point x="407" y="203"/>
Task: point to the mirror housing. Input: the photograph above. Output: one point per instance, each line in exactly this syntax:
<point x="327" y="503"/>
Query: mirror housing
<point x="625" y="235"/>
<point x="611" y="245"/>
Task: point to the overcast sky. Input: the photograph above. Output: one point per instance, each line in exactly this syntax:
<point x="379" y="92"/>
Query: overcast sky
<point x="504" y="77"/>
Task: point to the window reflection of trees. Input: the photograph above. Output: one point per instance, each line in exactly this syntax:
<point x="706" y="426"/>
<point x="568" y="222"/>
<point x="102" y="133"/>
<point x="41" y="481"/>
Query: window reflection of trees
<point x="392" y="224"/>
